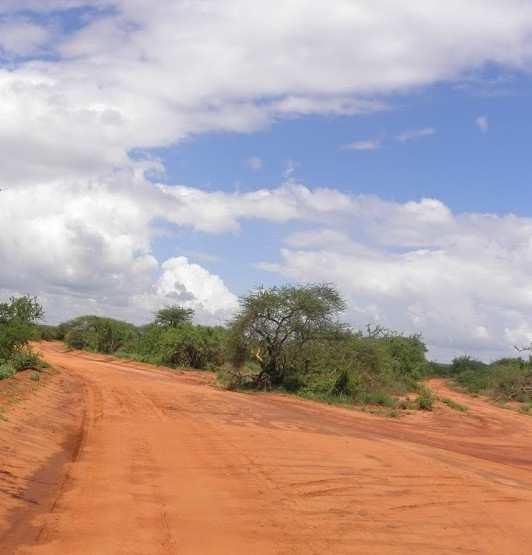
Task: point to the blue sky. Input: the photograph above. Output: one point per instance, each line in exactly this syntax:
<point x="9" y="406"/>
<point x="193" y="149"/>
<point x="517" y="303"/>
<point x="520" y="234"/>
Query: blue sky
<point x="467" y="169"/>
<point x="151" y="152"/>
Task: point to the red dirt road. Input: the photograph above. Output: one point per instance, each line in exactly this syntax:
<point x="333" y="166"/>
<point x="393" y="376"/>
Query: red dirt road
<point x="112" y="457"/>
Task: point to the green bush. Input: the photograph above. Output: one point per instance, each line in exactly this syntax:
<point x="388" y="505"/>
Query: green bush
<point x="103" y="335"/>
<point x="188" y="346"/>
<point x="17" y="324"/>
<point x="47" y="333"/>
<point x="426" y="398"/>
<point x="18" y="319"/>
<point x="508" y="381"/>
<point x="171" y="341"/>
<point x="473" y="375"/>
<point x="453" y="404"/>
<point x="25" y="359"/>
<point x="355" y="368"/>
<point x="7" y="370"/>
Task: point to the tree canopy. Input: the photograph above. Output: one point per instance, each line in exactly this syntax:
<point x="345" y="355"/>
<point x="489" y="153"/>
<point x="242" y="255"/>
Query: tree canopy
<point x="272" y="320"/>
<point x="173" y="316"/>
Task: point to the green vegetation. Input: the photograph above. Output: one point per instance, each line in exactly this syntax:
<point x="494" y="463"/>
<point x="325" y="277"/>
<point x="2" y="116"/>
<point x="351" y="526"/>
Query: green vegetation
<point x="426" y="398"/>
<point x="453" y="404"/>
<point x="508" y="379"/>
<point x="170" y="340"/>
<point x="290" y="338"/>
<point x="18" y="317"/>
<point x="173" y="316"/>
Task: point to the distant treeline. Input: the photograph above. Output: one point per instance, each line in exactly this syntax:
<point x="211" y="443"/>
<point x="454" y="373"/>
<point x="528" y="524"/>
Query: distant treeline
<point x="506" y="379"/>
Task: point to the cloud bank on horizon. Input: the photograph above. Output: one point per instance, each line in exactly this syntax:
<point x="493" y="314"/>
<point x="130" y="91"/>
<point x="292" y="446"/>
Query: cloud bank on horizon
<point x="89" y="88"/>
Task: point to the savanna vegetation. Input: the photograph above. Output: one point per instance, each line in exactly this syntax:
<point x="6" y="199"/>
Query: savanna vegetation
<point x="504" y="380"/>
<point x="18" y="319"/>
<point x="171" y="339"/>
<point x="292" y="338"/>
<point x="288" y="338"/>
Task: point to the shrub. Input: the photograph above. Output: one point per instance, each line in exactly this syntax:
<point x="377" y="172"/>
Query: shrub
<point x="7" y="370"/>
<point x="25" y="359"/>
<point x="17" y="324"/>
<point x="425" y="400"/>
<point x="508" y="381"/>
<point x="472" y="375"/>
<point x="189" y="346"/>
<point x="94" y="333"/>
<point x="453" y="404"/>
<point x="47" y="333"/>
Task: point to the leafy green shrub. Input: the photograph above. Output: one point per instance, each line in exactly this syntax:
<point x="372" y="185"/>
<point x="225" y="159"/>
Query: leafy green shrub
<point x="508" y="381"/>
<point x="187" y="346"/>
<point x="25" y="359"/>
<point x="47" y="333"/>
<point x="7" y="370"/>
<point x="103" y="335"/>
<point x="426" y="398"/>
<point x="17" y="324"/>
<point x="465" y="363"/>
<point x="473" y="375"/>
<point x="293" y="334"/>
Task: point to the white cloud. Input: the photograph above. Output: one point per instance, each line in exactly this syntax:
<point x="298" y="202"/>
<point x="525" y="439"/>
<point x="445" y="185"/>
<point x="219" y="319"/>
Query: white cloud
<point x="88" y="246"/>
<point x="134" y="76"/>
<point x="370" y="144"/>
<point x="413" y="134"/>
<point x="77" y="219"/>
<point x="461" y="279"/>
<point x="192" y="286"/>
<point x="254" y="163"/>
<point x="482" y="123"/>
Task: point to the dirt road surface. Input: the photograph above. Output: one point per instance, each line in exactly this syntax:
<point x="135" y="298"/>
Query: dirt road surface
<point x="113" y="457"/>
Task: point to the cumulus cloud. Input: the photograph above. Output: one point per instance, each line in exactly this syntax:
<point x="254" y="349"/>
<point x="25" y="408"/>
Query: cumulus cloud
<point x="78" y="220"/>
<point x="192" y="286"/>
<point x="87" y="246"/>
<point x="133" y="76"/>
<point x="461" y="279"/>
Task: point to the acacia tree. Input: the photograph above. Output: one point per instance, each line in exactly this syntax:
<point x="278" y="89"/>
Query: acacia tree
<point x="272" y="321"/>
<point x="173" y="316"/>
